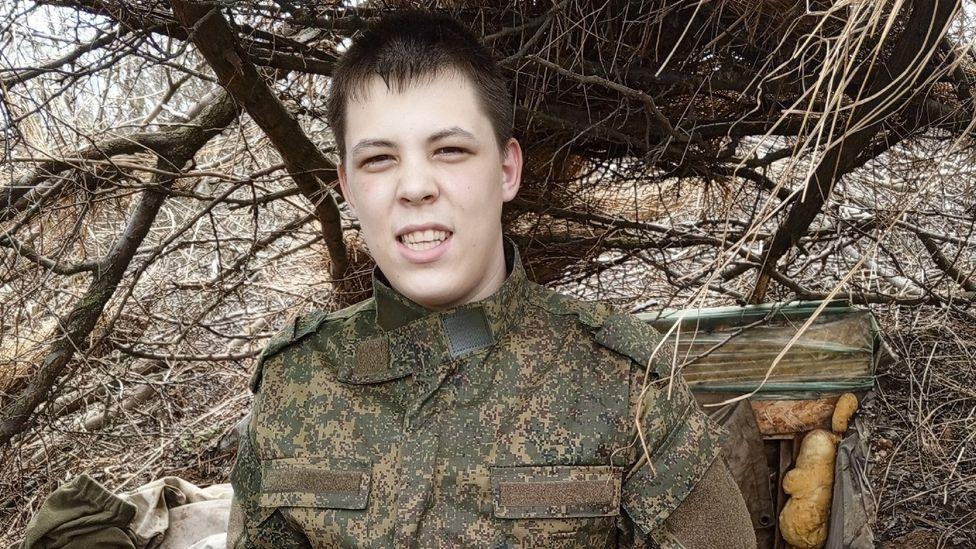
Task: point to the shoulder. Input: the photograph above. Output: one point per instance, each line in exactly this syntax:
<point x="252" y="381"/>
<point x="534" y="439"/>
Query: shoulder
<point x="610" y="327"/>
<point x="299" y="328"/>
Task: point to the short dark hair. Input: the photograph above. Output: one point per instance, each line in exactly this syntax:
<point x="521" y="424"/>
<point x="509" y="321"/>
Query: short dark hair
<point x="405" y="46"/>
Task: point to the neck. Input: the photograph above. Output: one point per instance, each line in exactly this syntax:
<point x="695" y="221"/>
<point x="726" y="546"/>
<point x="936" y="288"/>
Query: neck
<point x="486" y="287"/>
<point x="395" y="309"/>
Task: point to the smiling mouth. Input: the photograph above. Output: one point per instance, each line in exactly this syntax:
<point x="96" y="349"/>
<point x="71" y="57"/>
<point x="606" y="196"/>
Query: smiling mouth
<point x="424" y="240"/>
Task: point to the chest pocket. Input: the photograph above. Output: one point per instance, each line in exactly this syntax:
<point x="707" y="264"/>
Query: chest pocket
<point x="557" y="506"/>
<point x="326" y="501"/>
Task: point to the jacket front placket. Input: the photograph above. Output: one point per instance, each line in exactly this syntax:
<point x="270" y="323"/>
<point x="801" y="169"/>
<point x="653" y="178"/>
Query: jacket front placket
<point x="421" y="344"/>
<point x="437" y="345"/>
<point x="427" y="348"/>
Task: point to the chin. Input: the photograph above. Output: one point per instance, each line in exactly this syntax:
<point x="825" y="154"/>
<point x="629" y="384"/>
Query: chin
<point x="429" y="290"/>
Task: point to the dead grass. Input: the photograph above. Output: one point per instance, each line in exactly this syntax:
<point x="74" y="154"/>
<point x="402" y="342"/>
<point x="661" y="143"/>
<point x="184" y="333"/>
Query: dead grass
<point x="924" y="442"/>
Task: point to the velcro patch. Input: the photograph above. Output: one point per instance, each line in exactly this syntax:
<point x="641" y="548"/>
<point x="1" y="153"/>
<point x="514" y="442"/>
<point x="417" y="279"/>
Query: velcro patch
<point x="556" y="491"/>
<point x="313" y="482"/>
<point x="300" y="479"/>
<point x="554" y="494"/>
<point x="372" y="356"/>
<point x="467" y="331"/>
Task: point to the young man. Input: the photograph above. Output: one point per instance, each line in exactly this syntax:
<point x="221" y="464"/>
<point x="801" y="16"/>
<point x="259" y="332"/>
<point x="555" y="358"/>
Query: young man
<point x="462" y="405"/>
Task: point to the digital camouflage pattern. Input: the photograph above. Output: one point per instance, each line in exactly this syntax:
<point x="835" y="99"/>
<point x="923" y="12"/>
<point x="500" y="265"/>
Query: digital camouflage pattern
<point x="508" y="422"/>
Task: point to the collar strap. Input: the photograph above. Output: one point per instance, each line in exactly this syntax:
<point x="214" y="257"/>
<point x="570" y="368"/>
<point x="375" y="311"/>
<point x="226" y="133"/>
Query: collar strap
<point x="419" y="347"/>
<point x="417" y="339"/>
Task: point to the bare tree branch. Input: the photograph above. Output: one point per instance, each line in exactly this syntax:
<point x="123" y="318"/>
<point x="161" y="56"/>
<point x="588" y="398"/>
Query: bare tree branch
<point x="306" y="164"/>
<point x="15" y="417"/>
<point x="904" y="71"/>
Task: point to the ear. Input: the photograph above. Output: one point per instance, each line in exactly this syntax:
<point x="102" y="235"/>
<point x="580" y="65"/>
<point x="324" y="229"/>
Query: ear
<point x="511" y="169"/>
<point x="344" y="186"/>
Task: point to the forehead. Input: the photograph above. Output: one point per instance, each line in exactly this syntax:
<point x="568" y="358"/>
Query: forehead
<point x="423" y="105"/>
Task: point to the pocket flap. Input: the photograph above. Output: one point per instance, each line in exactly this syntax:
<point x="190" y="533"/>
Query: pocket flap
<point x="556" y="491"/>
<point x="314" y="482"/>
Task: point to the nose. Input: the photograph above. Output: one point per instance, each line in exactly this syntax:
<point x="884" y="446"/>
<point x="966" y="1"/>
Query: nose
<point x="416" y="184"/>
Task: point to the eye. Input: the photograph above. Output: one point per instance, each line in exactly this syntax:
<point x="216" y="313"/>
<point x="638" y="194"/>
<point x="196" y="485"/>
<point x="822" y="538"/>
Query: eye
<point x="451" y="151"/>
<point x="374" y="161"/>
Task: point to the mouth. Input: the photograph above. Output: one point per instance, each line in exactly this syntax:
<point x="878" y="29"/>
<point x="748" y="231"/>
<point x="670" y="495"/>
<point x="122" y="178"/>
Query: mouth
<point x="427" y="239"/>
<point x="424" y="245"/>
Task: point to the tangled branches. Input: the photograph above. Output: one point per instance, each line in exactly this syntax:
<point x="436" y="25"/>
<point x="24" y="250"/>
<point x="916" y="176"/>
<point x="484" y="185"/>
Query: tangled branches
<point x="168" y="178"/>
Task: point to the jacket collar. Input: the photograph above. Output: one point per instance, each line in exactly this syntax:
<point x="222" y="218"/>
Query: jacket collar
<point x="413" y="338"/>
<point x="394" y="310"/>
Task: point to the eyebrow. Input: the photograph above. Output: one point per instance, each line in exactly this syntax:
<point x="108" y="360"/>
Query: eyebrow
<point x="455" y="131"/>
<point x="452" y="132"/>
<point x="371" y="143"/>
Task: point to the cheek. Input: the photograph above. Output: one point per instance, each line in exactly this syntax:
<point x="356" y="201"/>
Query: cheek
<point x="481" y="187"/>
<point x="371" y="198"/>
<point x="373" y="222"/>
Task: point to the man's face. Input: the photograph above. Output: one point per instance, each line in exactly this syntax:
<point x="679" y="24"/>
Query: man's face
<point x="427" y="180"/>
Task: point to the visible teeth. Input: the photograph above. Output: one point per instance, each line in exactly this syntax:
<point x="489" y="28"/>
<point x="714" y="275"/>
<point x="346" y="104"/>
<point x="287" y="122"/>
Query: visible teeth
<point x="423" y="237"/>
<point x="424" y="240"/>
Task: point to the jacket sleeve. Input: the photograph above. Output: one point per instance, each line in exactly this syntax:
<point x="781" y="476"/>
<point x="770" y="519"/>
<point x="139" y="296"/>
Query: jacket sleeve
<point x="251" y="524"/>
<point x="671" y="489"/>
<point x="716" y="502"/>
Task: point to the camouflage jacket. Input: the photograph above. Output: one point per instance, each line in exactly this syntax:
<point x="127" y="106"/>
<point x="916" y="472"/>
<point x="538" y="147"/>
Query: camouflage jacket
<point x="507" y="422"/>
